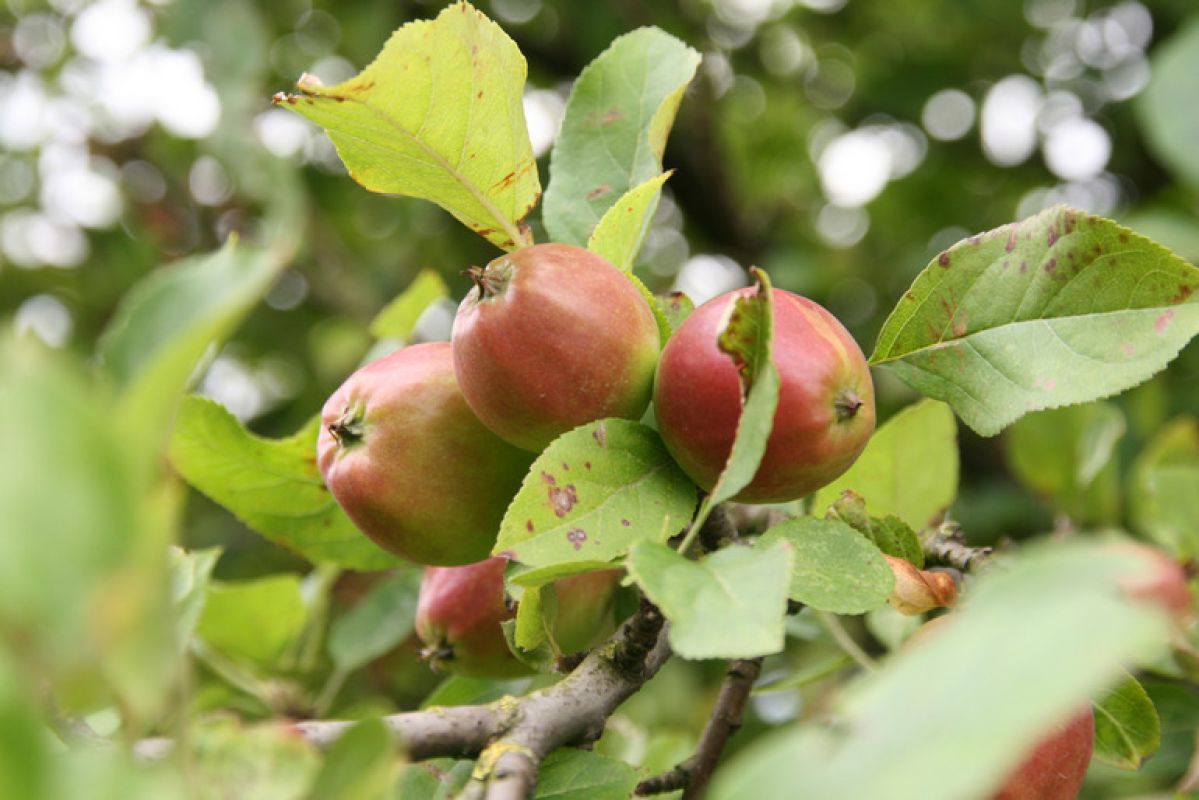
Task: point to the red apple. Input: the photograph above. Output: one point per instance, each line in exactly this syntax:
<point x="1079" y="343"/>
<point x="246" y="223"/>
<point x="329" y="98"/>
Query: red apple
<point x="460" y="611"/>
<point x="553" y="337"/>
<point x="825" y="412"/>
<point x="410" y="463"/>
<point x="1056" y="766"/>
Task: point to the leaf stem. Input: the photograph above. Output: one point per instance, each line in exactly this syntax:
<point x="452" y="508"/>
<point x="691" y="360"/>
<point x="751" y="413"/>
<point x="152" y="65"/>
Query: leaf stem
<point x="832" y="623"/>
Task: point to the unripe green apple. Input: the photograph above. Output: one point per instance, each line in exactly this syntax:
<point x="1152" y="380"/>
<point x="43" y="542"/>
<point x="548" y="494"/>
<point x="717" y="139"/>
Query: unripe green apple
<point x="410" y="463"/>
<point x="552" y="337"/>
<point x="460" y="611"/>
<point x="825" y="412"/>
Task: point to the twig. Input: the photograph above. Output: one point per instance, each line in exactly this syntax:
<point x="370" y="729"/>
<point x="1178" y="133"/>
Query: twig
<point x="946" y="545"/>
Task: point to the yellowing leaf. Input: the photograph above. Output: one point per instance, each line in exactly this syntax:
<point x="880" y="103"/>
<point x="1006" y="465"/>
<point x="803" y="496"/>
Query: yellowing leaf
<point x="438" y="115"/>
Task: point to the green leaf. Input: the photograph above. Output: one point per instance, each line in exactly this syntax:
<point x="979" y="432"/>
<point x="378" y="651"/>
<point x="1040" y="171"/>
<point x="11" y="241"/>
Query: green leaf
<point x="266" y="762"/>
<point x="1066" y="455"/>
<point x="190" y="573"/>
<point x="676" y="306"/>
<point x="253" y="620"/>
<point x="462" y="690"/>
<point x="398" y="318"/>
<point x="438" y="115"/>
<point x="614" y="132"/>
<point x="890" y="534"/>
<point x="595" y="492"/>
<point x="1062" y="605"/>
<point x="434" y="779"/>
<point x="377" y="623"/>
<point x="836" y="568"/>
<point x="361" y="765"/>
<point x="1167" y="112"/>
<point x="570" y="774"/>
<point x="272" y="485"/>
<point x="532" y="626"/>
<point x="748" y="339"/>
<point x="729" y="605"/>
<point x="665" y="328"/>
<point x="532" y="577"/>
<point x="1101" y="308"/>
<point x="619" y="233"/>
<point x="1127" y="730"/>
<point x="83" y="564"/>
<point x="1164" y="490"/>
<point x="909" y="468"/>
<point x="166" y="323"/>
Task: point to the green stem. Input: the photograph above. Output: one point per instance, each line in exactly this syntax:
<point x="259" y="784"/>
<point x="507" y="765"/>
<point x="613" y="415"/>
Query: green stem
<point x="846" y="642"/>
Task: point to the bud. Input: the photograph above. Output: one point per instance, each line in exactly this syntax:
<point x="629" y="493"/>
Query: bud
<point x="917" y="591"/>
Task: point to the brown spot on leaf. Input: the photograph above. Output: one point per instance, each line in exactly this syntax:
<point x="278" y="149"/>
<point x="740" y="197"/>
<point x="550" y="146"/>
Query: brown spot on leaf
<point x="1023" y="267"/>
<point x="1011" y="240"/>
<point x="611" y="115"/>
<point x="562" y="499"/>
<point x="600" y="434"/>
<point x="1184" y="291"/>
<point x="1051" y="265"/>
<point x="587" y="464"/>
<point x="576" y="536"/>
<point x="529" y="525"/>
<point x="625" y="522"/>
<point x="599" y="191"/>
<point x="1051" y="235"/>
<point x="943" y="259"/>
<point x="1163" y="321"/>
<point x="548" y="478"/>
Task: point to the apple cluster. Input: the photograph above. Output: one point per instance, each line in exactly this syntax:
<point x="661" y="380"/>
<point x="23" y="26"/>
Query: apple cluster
<point x="425" y="448"/>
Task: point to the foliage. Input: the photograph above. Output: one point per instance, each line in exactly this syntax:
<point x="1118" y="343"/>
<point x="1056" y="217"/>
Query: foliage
<point x="1065" y="330"/>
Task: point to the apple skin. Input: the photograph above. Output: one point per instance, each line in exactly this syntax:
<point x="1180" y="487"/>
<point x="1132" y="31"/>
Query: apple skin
<point x="552" y="337"/>
<point x="1164" y="581"/>
<point x="1055" y="769"/>
<point x="412" y="466"/>
<point x="460" y="610"/>
<point x="825" y="412"/>
<point x="458" y="616"/>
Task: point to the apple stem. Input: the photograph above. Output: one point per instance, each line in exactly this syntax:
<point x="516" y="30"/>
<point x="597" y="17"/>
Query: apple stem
<point x="847" y="405"/>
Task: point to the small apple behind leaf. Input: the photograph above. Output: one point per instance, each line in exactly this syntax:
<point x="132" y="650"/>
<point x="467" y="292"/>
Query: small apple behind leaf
<point x="553" y="337"/>
<point x="1054" y="766"/>
<point x="825" y="411"/>
<point x="411" y="464"/>
<point x="460" y="611"/>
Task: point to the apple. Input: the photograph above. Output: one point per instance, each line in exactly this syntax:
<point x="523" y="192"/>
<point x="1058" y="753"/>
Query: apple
<point x="825" y="412"/>
<point x="413" y="467"/>
<point x="460" y="612"/>
<point x="553" y="337"/>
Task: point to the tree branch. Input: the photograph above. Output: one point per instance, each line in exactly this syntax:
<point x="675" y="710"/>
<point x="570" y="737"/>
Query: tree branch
<point x="946" y="545"/>
<point x="694" y="774"/>
<point x="511" y="736"/>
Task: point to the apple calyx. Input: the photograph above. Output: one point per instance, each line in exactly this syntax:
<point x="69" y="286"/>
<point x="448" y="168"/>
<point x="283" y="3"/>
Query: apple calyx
<point x="847" y="404"/>
<point x="492" y="279"/>
<point x="350" y="427"/>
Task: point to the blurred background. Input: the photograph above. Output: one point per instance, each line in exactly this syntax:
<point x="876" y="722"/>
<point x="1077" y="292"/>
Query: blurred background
<point x="838" y="143"/>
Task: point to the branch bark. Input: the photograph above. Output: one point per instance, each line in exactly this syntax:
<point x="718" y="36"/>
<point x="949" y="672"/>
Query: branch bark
<point x="694" y="774"/>
<point x="946" y="545"/>
<point x="511" y="736"/>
